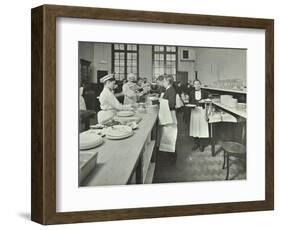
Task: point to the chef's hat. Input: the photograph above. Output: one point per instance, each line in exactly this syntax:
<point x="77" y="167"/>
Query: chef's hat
<point x="106" y="78"/>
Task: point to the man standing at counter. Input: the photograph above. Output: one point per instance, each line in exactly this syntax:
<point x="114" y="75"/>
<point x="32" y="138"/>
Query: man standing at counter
<point x="169" y="130"/>
<point x="108" y="102"/>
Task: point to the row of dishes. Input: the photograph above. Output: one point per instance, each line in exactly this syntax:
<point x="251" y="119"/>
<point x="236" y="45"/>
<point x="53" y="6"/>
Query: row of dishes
<point x="119" y="127"/>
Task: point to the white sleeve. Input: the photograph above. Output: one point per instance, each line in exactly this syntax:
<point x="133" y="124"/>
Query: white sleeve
<point x="112" y="100"/>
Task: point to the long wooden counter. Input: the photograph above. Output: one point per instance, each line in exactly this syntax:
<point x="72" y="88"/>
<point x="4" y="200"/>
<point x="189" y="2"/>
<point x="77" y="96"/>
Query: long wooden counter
<point x="239" y="112"/>
<point x="120" y="160"/>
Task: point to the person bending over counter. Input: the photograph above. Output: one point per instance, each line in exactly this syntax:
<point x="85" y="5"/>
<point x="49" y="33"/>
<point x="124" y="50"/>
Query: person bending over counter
<point x="108" y="102"/>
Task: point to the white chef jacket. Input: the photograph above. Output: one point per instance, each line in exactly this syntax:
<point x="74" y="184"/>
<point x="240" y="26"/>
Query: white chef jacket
<point x="108" y="101"/>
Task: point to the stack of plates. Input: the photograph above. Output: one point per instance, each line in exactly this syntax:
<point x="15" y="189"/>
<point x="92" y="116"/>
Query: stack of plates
<point x="125" y="113"/>
<point x="89" y="140"/>
<point x="123" y="120"/>
<point x="228" y="100"/>
<point x="118" y="132"/>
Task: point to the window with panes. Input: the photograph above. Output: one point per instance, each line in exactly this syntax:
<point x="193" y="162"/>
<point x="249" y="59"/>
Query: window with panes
<point x="125" y="60"/>
<point x="164" y="60"/>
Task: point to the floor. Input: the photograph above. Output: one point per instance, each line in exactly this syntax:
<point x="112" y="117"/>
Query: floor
<point x="193" y="165"/>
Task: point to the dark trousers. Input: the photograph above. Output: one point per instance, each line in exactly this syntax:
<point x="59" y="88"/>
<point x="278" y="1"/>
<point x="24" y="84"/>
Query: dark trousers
<point x="203" y="142"/>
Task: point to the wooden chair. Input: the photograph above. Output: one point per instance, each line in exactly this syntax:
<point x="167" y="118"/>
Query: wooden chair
<point x="232" y="149"/>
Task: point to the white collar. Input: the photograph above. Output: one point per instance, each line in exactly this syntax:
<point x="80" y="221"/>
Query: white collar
<point x="108" y="89"/>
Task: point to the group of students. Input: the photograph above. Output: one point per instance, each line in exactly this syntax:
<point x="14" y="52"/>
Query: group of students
<point x="168" y="97"/>
<point x="198" y="126"/>
<point x="134" y="90"/>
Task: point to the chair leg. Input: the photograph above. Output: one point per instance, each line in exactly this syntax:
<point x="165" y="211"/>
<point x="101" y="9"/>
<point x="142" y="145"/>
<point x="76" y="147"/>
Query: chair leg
<point x="227" y="166"/>
<point x="224" y="156"/>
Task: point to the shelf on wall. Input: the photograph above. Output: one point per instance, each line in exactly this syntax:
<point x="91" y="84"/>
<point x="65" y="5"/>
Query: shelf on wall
<point x="225" y="90"/>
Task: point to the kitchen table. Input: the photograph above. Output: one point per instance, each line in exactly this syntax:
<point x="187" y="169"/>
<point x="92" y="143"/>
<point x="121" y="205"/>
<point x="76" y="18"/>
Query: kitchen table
<point x="241" y="116"/>
<point x="129" y="160"/>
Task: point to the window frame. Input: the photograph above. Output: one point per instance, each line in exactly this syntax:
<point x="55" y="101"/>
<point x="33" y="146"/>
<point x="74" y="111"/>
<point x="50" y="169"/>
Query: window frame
<point x="164" y="52"/>
<point x="125" y="51"/>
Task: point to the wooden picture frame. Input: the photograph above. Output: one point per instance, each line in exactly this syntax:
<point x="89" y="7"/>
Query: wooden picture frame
<point x="43" y="206"/>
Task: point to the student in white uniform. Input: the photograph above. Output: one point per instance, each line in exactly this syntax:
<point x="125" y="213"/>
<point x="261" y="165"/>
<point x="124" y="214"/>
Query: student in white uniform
<point x="130" y="90"/>
<point x="108" y="102"/>
<point x="199" y="128"/>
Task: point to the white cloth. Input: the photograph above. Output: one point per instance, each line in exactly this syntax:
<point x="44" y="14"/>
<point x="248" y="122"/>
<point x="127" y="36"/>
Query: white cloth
<point x="168" y="135"/>
<point x="198" y="123"/>
<point x="82" y="101"/>
<point x="130" y="95"/>
<point x="198" y="95"/>
<point x="222" y="117"/>
<point x="164" y="115"/>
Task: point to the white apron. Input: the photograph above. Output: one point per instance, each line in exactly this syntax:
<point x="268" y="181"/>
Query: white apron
<point x="82" y="101"/>
<point x="198" y="124"/>
<point x="169" y="131"/>
<point x="169" y="134"/>
<point x="105" y="115"/>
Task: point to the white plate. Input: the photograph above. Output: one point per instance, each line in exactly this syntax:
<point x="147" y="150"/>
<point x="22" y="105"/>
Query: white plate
<point x="153" y="98"/>
<point x="118" y="131"/>
<point x="190" y="105"/>
<point x="133" y="125"/>
<point x="125" y="113"/>
<point x="119" y="137"/>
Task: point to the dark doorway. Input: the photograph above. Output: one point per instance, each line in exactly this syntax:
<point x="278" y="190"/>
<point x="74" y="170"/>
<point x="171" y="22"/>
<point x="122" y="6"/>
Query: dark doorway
<point x="100" y="74"/>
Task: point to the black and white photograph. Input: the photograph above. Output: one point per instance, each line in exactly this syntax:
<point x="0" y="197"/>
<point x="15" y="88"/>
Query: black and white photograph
<point x="144" y="114"/>
<point x="159" y="113"/>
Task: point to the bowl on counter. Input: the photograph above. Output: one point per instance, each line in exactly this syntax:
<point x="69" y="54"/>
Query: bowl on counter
<point x="125" y="113"/>
<point x="89" y="140"/>
<point x="117" y="132"/>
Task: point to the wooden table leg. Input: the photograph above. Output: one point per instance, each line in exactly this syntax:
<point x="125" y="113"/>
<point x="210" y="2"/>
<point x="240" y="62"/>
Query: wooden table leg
<point x="154" y="136"/>
<point x="227" y="166"/>
<point x="139" y="172"/>
<point x="213" y="142"/>
<point x="224" y="160"/>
